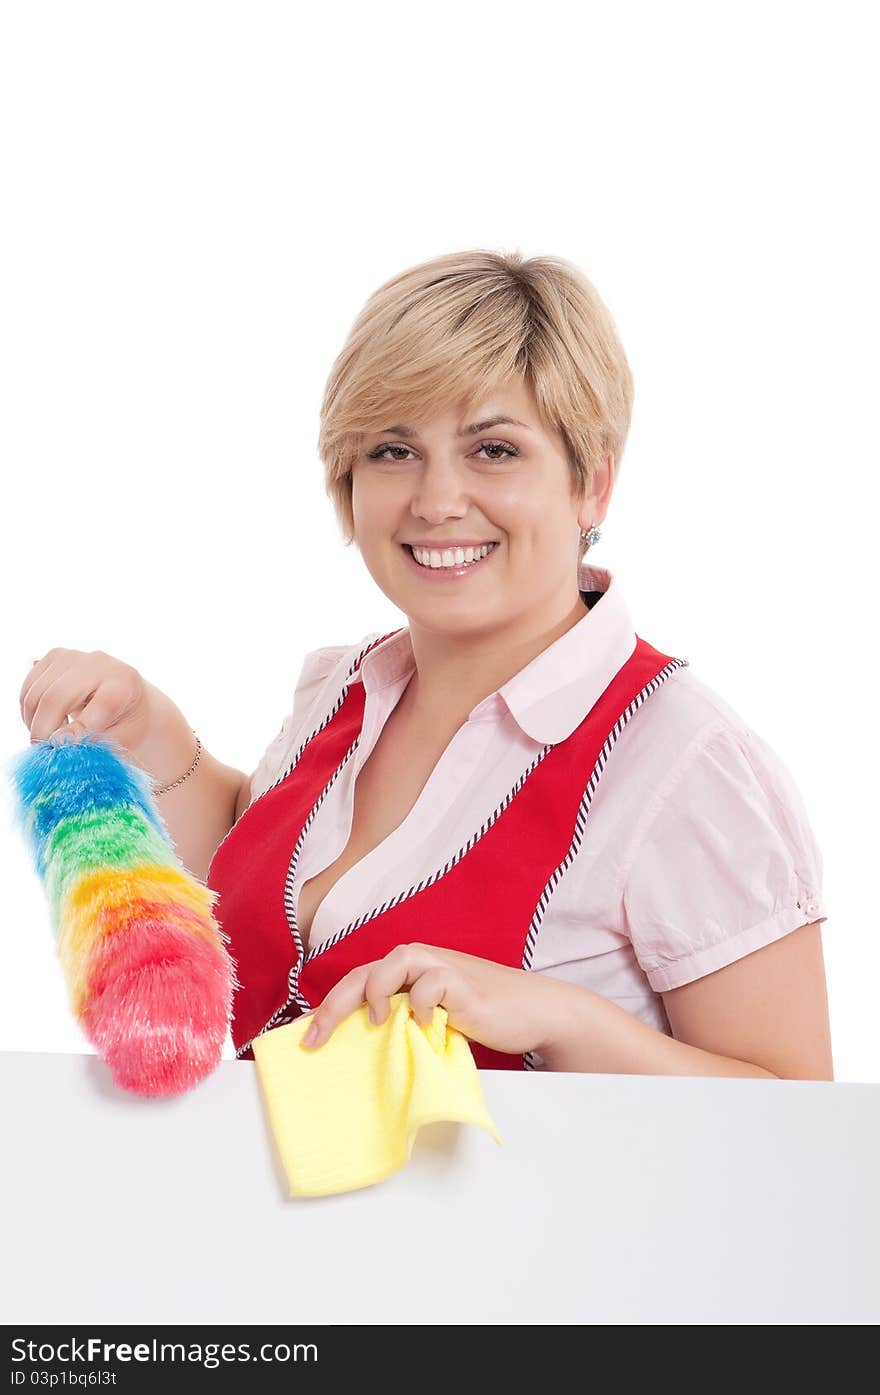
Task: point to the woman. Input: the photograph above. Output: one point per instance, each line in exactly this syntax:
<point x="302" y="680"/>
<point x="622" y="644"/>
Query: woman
<point x="515" y="806"/>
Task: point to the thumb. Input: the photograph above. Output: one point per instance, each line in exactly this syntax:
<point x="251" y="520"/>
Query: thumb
<point x="68" y="731"/>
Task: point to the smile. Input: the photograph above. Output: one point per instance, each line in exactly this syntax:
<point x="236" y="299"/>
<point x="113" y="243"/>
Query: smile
<point x="447" y="572"/>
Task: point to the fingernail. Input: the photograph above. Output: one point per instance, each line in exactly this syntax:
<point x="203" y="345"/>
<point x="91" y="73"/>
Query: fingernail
<point x="311" y="1034"/>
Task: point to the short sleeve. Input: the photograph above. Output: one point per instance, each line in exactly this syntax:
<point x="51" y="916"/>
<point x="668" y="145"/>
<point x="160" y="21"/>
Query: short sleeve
<point x="728" y="863"/>
<point x="316" y="669"/>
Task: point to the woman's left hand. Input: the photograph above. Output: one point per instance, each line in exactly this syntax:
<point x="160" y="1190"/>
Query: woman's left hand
<point x="506" y="1009"/>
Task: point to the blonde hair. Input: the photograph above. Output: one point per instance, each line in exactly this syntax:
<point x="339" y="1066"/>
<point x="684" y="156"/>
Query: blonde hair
<point x="453" y="330"/>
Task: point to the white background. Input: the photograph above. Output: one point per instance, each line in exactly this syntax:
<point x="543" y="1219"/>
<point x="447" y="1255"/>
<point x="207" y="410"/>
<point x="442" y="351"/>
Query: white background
<point x="197" y="200"/>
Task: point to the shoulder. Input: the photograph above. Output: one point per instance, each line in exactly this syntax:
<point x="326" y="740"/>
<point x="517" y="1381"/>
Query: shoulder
<point x="700" y="764"/>
<point x="324" y="666"/>
<point x="684" y="717"/>
<point x="320" y="663"/>
<point x="323" y="672"/>
<point x="681" y="717"/>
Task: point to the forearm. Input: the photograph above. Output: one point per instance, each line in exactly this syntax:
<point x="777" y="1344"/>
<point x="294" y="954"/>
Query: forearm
<point x="593" y="1034"/>
<point x="199" y="812"/>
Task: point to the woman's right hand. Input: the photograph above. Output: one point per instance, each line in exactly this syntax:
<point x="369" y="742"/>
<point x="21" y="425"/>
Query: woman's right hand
<point x="99" y="693"/>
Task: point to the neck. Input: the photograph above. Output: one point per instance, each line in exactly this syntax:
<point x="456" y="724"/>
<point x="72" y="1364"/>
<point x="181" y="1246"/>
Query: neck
<point x="454" y="673"/>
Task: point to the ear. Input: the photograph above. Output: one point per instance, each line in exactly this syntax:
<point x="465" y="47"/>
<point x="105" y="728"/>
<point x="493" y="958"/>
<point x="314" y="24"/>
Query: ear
<point x="597" y="495"/>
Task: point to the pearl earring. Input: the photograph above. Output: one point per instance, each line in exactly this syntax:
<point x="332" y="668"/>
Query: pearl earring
<point x="592" y="536"/>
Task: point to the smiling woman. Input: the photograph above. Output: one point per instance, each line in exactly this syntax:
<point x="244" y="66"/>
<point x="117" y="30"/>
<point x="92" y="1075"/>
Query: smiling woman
<point x="451" y="332"/>
<point x="514" y="806"/>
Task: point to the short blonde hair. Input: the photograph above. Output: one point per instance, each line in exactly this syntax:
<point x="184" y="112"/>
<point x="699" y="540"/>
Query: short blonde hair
<point x="453" y="330"/>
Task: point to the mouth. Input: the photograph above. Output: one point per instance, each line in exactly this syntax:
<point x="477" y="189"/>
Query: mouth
<point x="448" y="573"/>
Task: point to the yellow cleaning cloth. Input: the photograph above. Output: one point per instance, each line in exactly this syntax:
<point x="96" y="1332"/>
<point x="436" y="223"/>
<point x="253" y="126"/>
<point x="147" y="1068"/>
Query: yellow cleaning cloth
<point x="345" y="1114"/>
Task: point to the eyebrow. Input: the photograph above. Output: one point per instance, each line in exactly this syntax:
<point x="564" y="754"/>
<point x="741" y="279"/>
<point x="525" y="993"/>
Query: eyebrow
<point x="473" y="430"/>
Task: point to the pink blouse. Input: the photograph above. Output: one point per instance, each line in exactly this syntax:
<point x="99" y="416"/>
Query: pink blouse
<point x="697" y="849"/>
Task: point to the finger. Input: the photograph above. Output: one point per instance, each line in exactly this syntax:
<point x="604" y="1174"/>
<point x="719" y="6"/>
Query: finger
<point x="31" y="678"/>
<point x="111" y="699"/>
<point x="35" y="684"/>
<point x="68" y="731"/>
<point x="95" y="701"/>
<point x="343" y="999"/>
<point x="399" y="969"/>
<point x="62" y="695"/>
<point x="429" y="991"/>
<point x="374" y="983"/>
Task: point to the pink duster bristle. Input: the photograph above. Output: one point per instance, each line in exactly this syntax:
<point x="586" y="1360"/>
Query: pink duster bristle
<point x="156" y="1007"/>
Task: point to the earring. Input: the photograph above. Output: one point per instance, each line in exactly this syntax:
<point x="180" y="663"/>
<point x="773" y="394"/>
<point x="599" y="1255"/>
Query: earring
<point x="592" y="536"/>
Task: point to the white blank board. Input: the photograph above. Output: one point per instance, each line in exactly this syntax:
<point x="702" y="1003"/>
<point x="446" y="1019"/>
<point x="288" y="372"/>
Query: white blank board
<point x="613" y="1199"/>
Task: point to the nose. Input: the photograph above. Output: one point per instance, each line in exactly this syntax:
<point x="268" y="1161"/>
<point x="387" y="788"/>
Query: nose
<point x="440" y="491"/>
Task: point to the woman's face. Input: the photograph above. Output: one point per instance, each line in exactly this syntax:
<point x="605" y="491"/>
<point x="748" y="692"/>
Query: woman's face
<point x="440" y="484"/>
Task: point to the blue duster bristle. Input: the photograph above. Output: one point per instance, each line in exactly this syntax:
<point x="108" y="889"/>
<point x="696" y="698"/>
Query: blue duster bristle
<point x="54" y="781"/>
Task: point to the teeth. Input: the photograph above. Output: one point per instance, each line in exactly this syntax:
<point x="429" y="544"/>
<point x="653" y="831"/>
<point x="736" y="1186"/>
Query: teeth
<point x="451" y="556"/>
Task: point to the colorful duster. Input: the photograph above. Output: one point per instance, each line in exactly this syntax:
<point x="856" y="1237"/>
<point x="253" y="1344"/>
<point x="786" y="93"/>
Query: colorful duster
<point x="147" y="968"/>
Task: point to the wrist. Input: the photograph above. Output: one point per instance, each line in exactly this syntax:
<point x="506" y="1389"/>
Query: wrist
<point x="566" y="1044"/>
<point x="168" y="745"/>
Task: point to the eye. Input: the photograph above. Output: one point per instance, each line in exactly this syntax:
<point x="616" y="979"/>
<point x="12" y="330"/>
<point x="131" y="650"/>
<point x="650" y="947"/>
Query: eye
<point x="380" y="453"/>
<point x="509" y="450"/>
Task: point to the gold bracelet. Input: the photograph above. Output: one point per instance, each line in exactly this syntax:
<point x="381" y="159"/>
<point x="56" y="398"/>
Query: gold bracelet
<point x="181" y="778"/>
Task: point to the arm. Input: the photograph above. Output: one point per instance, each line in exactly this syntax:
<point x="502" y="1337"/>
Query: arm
<point x="199" y="812"/>
<point x="243" y="798"/>
<point x="766" y="1014"/>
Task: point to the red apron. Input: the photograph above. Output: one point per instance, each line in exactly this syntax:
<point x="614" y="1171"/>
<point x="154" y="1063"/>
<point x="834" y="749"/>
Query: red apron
<point x="488" y="899"/>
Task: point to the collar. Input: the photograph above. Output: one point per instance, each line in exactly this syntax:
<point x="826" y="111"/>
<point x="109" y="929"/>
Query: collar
<point x="555" y="691"/>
